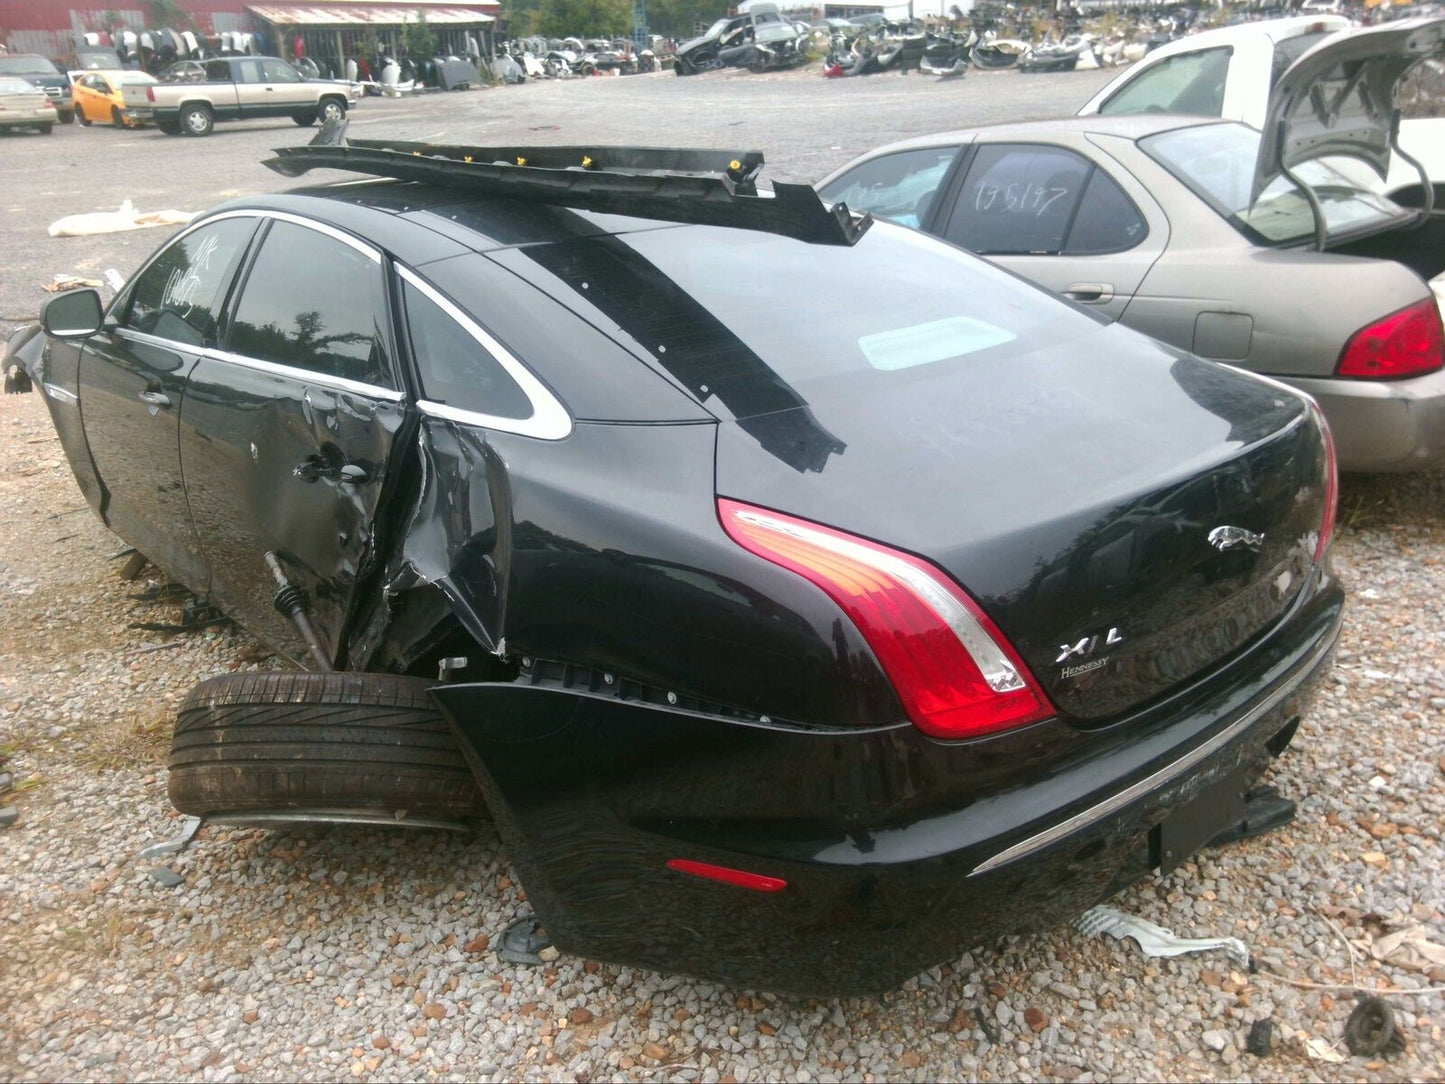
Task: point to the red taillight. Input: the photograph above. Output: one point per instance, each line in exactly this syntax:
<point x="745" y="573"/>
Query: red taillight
<point x="954" y="672"/>
<point x="1405" y="343"/>
<point x="150" y="94"/>
<point x="1332" y="483"/>
<point x="742" y="878"/>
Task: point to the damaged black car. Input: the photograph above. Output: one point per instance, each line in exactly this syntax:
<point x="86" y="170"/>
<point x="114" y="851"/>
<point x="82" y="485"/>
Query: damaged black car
<point x="801" y="646"/>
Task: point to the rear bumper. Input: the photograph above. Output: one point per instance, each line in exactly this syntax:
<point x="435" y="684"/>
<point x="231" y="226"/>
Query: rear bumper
<point x="16" y="118"/>
<point x="899" y="852"/>
<point x="1383" y="425"/>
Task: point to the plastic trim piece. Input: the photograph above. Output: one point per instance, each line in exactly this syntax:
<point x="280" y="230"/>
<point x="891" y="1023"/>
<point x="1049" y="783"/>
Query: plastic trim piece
<point x="714" y="188"/>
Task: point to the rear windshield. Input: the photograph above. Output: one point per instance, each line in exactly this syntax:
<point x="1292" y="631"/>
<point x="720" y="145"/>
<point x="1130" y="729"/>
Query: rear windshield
<point x="26" y="65"/>
<point x="1287" y="51"/>
<point x="753" y="323"/>
<point x="1216" y="162"/>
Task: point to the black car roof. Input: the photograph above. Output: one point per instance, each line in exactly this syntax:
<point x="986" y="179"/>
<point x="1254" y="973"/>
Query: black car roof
<point x="418" y="223"/>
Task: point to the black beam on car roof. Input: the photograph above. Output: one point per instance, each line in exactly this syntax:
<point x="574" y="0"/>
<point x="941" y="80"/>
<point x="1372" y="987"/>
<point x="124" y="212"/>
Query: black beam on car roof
<point x="713" y="188"/>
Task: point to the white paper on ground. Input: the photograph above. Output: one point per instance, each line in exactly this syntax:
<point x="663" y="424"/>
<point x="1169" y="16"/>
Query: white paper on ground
<point x="1155" y="940"/>
<point x="127" y="218"/>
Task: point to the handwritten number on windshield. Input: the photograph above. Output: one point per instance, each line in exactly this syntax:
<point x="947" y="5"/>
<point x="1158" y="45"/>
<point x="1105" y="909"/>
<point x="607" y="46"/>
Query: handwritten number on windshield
<point x="1015" y="198"/>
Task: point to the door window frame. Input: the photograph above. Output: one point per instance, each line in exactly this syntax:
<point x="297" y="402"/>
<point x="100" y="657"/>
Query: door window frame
<point x="938" y="220"/>
<point x="292" y="372"/>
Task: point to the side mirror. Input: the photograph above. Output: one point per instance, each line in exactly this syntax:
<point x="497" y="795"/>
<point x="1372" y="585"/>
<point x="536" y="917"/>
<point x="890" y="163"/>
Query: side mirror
<point x="72" y="315"/>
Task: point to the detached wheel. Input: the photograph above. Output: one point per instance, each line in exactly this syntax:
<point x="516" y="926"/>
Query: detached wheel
<point x="340" y="746"/>
<point x="305" y="120"/>
<point x="331" y="109"/>
<point x="197" y="120"/>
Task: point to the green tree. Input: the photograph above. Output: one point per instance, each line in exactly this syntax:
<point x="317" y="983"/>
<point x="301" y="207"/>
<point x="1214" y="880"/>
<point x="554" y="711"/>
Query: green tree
<point x="680" y="18"/>
<point x="418" y="38"/>
<point x="584" y="18"/>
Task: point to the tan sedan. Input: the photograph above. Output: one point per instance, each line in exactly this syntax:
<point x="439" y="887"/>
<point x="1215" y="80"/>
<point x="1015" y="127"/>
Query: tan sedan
<point x="24" y="106"/>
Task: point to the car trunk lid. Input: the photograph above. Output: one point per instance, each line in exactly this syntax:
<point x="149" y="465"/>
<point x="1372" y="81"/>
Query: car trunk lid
<point x="1127" y="522"/>
<point x="1340" y="98"/>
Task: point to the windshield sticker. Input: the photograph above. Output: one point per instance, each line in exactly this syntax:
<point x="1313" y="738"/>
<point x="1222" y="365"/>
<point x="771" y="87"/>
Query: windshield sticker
<point x="924" y="344"/>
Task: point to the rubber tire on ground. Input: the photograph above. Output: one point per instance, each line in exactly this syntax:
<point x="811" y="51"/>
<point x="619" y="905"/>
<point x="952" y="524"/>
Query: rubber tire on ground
<point x="305" y="120"/>
<point x="331" y="109"/>
<point x="198" y="127"/>
<point x="116" y="120"/>
<point x="168" y="127"/>
<point x="45" y="129"/>
<point x="81" y="119"/>
<point x="341" y="742"/>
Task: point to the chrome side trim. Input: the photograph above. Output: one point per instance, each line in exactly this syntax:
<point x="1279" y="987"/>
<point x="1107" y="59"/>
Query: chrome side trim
<point x="55" y="391"/>
<point x="549" y="420"/>
<point x="1117" y="801"/>
<point x="306" y="376"/>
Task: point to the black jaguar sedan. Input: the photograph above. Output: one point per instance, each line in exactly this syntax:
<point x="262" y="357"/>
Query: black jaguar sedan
<point x="806" y="613"/>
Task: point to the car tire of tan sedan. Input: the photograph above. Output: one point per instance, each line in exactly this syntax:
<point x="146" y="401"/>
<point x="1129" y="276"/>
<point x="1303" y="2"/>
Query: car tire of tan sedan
<point x="168" y="127"/>
<point x="331" y="109"/>
<point x="313" y="745"/>
<point x="197" y="120"/>
<point x="306" y="119"/>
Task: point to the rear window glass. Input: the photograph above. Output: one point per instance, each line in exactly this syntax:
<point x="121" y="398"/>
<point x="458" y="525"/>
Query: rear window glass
<point x="26" y="65"/>
<point x="1217" y="162"/>
<point x="1289" y="50"/>
<point x="705" y="305"/>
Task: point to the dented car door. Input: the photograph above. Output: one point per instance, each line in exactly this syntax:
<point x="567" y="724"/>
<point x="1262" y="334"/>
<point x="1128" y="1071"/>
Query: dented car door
<point x="288" y="430"/>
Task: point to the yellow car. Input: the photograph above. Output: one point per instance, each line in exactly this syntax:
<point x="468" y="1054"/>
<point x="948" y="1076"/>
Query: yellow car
<point x="99" y="96"/>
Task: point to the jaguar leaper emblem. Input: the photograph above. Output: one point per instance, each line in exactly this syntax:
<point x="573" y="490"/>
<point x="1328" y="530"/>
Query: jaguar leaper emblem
<point x="1227" y="538"/>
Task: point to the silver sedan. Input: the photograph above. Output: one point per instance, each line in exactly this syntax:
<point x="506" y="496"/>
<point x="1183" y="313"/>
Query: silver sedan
<point x="1162" y="223"/>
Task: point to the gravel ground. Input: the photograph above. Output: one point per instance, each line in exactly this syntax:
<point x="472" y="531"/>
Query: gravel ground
<point x="368" y="954"/>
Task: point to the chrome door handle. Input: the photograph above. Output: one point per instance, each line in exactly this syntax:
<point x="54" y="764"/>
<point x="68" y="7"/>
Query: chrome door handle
<point x="353" y="474"/>
<point x="154" y="401"/>
<point x="1090" y="293"/>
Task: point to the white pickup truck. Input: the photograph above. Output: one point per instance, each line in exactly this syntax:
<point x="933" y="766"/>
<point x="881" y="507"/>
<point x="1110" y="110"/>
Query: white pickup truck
<point x="239" y="88"/>
<point x="1229" y="73"/>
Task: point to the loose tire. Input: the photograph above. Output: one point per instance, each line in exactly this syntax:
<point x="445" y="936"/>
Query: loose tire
<point x="318" y="745"/>
<point x="305" y="120"/>
<point x="197" y="120"/>
<point x="331" y="109"/>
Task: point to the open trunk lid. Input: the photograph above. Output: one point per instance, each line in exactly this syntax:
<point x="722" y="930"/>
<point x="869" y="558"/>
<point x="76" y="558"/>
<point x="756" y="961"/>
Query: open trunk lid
<point x="1341" y="98"/>
<point x="1127" y="518"/>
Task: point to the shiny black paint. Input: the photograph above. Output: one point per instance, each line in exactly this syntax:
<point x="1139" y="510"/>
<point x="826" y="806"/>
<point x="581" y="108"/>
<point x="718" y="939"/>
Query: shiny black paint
<point x="135" y="449"/>
<point x="876" y="832"/>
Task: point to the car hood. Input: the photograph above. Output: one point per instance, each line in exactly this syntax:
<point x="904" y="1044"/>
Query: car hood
<point x="1073" y="492"/>
<point x="1339" y="99"/>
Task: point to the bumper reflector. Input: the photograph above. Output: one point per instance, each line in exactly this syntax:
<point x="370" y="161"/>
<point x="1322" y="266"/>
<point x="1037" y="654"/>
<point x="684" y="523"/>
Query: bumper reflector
<point x="742" y="878"/>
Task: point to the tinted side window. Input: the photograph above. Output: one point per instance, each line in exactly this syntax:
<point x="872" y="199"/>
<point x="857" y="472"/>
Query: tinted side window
<point x="247" y="71"/>
<point x="900" y="187"/>
<point x="455" y="368"/>
<point x="1018" y="198"/>
<point x="313" y="302"/>
<point x="1107" y="220"/>
<point x="179" y="295"/>
<point x="1190" y="83"/>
